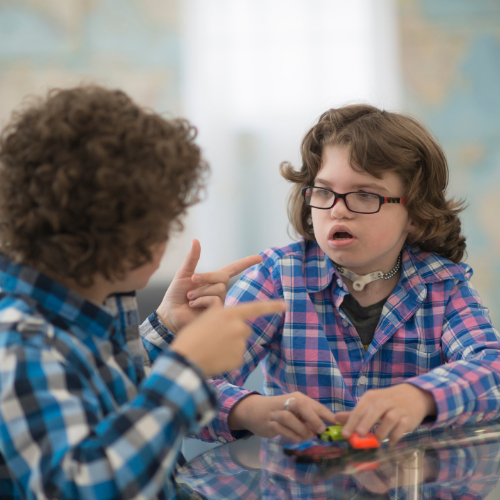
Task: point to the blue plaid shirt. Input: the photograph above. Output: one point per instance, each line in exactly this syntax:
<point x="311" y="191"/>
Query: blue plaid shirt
<point x="433" y="332"/>
<point x="83" y="415"/>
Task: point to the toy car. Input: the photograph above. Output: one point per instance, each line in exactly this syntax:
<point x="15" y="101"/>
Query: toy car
<point x="318" y="454"/>
<point x="294" y="449"/>
<point x="321" y="451"/>
<point x="332" y="433"/>
<point x="315" y="451"/>
<point x="367" y="442"/>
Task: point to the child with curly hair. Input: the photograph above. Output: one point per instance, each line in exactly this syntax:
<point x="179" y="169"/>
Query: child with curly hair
<point x="91" y="187"/>
<point x="383" y="325"/>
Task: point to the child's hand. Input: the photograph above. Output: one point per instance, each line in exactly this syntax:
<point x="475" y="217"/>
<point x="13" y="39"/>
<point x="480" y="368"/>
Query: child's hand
<point x="398" y="409"/>
<point x="266" y="416"/>
<point x="216" y="340"/>
<point x="190" y="294"/>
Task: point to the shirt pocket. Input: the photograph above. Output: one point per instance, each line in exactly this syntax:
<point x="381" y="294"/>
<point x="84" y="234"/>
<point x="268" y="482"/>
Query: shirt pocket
<point x="423" y="361"/>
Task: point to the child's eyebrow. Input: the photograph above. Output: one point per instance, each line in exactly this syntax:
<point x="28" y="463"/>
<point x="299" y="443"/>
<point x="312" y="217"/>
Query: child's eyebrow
<point x="369" y="187"/>
<point x="355" y="187"/>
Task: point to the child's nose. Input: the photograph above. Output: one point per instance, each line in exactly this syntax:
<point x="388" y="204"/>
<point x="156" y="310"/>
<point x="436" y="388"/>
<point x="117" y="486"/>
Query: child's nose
<point x="339" y="209"/>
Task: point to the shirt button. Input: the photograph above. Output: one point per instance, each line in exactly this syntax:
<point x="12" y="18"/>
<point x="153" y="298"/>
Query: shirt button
<point x="345" y="323"/>
<point x="362" y="380"/>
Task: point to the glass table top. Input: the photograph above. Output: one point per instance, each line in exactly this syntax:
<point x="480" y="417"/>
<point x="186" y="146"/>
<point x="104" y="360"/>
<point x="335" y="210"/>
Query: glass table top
<point x="454" y="463"/>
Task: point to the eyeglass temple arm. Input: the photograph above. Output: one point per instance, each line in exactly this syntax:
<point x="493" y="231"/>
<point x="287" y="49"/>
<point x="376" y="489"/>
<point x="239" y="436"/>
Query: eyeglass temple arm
<point x="390" y="199"/>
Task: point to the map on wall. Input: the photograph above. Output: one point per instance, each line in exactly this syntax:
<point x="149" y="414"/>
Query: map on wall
<point x="450" y="54"/>
<point x="129" y="44"/>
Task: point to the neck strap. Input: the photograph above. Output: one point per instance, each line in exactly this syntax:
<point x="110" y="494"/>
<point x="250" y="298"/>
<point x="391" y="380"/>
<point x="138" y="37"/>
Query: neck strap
<point x="359" y="282"/>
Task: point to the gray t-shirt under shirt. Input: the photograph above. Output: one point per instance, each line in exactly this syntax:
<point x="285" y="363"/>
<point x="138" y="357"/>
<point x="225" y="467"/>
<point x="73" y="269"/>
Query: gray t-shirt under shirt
<point x="364" y="319"/>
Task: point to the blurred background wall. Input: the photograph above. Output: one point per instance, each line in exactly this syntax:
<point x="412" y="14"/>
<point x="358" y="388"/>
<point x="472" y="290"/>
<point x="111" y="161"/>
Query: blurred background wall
<point x="254" y="75"/>
<point x="450" y="61"/>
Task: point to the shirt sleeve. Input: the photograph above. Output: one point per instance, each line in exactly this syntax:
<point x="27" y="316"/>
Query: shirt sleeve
<point x="59" y="443"/>
<point x="466" y="387"/>
<point x="256" y="284"/>
<point x="155" y="336"/>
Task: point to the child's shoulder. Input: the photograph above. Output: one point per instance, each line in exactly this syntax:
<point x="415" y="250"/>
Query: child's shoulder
<point x="20" y="323"/>
<point x="433" y="268"/>
<point x="301" y="251"/>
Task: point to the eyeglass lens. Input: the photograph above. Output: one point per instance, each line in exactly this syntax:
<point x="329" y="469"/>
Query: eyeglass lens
<point x="357" y="202"/>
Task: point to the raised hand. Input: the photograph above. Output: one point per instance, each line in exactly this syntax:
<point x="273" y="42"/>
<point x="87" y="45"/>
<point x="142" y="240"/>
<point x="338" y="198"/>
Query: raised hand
<point x="216" y="340"/>
<point x="398" y="409"/>
<point x="266" y="416"/>
<point x="190" y="294"/>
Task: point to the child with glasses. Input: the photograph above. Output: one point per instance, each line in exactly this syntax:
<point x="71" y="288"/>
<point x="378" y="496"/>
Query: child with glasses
<point x="383" y="325"/>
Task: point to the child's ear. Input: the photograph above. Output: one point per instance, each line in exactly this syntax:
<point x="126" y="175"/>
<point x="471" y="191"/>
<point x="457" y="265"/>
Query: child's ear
<point x="410" y="228"/>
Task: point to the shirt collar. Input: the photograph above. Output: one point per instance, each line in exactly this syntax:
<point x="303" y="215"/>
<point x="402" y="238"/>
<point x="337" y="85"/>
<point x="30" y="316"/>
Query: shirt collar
<point x="410" y="279"/>
<point x="22" y="280"/>
<point x="319" y="270"/>
<point x="417" y="269"/>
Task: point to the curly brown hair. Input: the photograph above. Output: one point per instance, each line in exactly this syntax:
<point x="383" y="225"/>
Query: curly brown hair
<point x="90" y="181"/>
<point x="378" y="142"/>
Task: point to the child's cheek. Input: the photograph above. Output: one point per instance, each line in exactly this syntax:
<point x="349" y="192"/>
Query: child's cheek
<point x="322" y="223"/>
<point x="383" y="231"/>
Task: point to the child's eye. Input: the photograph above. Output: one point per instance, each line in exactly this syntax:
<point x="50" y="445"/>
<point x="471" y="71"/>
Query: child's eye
<point x="367" y="196"/>
<point x="323" y="192"/>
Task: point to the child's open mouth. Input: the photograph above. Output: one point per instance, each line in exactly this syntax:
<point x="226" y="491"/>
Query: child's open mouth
<point x="341" y="238"/>
<point x="342" y="235"/>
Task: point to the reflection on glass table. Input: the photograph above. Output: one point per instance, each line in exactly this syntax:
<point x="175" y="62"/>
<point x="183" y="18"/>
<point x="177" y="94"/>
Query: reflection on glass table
<point x="460" y="463"/>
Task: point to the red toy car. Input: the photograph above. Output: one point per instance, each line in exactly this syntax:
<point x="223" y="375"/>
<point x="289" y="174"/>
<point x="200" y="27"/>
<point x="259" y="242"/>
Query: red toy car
<point x="367" y="442"/>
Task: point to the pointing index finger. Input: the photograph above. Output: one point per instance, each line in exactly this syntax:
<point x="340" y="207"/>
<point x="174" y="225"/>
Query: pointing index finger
<point x="258" y="308"/>
<point x="240" y="265"/>
<point x="229" y="271"/>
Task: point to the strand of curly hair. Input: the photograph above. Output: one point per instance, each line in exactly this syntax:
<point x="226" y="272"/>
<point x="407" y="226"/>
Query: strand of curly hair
<point x="89" y="181"/>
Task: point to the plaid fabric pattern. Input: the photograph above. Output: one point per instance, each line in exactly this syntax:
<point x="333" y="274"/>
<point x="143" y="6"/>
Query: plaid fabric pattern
<point x="79" y="417"/>
<point x="433" y="333"/>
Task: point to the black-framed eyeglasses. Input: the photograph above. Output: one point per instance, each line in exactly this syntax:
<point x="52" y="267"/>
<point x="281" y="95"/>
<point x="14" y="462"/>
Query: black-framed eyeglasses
<point x="358" y="201"/>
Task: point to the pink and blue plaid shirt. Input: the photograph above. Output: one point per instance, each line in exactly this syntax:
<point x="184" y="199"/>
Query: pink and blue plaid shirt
<point x="433" y="333"/>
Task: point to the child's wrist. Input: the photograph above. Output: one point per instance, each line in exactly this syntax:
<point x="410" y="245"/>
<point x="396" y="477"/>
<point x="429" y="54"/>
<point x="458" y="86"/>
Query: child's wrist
<point x="241" y="413"/>
<point x="165" y="321"/>
<point x="430" y="408"/>
<point x="431" y="404"/>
